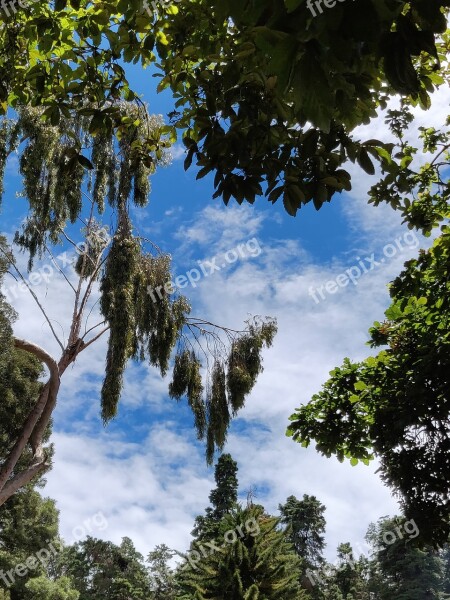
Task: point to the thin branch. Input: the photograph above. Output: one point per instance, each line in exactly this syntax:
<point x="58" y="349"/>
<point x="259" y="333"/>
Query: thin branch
<point x="53" y="259"/>
<point x="94" y="339"/>
<point x="92" y="329"/>
<point x="89" y="316"/>
<point x="36" y="300"/>
<point x="74" y="244"/>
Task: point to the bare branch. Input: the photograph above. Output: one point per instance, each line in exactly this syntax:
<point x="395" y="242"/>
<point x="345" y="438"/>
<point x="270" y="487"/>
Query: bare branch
<point x="94" y="339"/>
<point x="36" y="299"/>
<point x="22" y="479"/>
<point x="53" y="259"/>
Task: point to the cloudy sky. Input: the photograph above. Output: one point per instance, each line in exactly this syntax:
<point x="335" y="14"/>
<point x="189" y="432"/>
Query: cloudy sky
<point x="145" y="472"/>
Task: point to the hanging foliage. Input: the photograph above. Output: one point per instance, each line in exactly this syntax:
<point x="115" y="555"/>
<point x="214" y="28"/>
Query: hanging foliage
<point x="67" y="161"/>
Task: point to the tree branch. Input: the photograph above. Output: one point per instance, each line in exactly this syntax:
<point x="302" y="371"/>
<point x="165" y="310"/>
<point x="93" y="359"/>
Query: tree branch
<point x="35" y="299"/>
<point x="48" y="394"/>
<point x="22" y="479"/>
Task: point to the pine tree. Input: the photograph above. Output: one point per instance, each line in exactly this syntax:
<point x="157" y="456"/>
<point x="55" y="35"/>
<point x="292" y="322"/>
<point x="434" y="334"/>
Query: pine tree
<point x="223" y="498"/>
<point x="253" y="562"/>
<point x="305" y="523"/>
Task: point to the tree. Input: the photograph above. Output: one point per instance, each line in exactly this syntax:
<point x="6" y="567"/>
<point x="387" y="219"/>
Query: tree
<point x="395" y="405"/>
<point x="246" y="94"/>
<point x="143" y="316"/>
<point x="28" y="528"/>
<point x="305" y="524"/>
<point x="254" y="562"/>
<point x="43" y="588"/>
<point x="223" y="498"/>
<point x="351" y="575"/>
<point x="28" y="523"/>
<point x="100" y="569"/>
<point x="162" y="578"/>
<point x="445" y="558"/>
<point x="401" y="570"/>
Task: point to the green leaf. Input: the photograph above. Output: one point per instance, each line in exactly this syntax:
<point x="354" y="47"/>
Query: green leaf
<point x="85" y="162"/>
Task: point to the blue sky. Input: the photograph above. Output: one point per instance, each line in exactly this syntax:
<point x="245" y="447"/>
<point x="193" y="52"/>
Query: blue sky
<point x="146" y="473"/>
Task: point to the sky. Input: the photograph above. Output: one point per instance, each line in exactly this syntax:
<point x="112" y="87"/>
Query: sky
<point x="145" y="473"/>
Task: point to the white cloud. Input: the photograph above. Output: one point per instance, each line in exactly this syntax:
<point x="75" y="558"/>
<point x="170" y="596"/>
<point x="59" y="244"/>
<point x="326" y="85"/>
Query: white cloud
<point x="177" y="152"/>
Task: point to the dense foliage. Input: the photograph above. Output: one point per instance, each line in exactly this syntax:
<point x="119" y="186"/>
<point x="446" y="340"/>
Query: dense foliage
<point x="267" y="99"/>
<point x="395" y="405"/>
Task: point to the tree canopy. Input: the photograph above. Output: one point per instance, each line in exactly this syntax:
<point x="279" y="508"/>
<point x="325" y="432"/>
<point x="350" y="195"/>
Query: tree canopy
<point x="395" y="405"/>
<point x="267" y="100"/>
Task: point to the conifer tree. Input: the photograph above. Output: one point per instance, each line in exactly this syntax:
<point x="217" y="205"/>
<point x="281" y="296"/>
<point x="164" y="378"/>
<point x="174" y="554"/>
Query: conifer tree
<point x="305" y="523"/>
<point x="162" y="577"/>
<point x="223" y="498"/>
<point x="254" y="562"/>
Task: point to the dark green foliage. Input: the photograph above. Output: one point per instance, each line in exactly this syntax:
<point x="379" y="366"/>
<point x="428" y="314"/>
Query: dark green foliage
<point x="28" y="523"/>
<point x="305" y="523"/>
<point x="5" y="139"/>
<point x="117" y="306"/>
<point x="249" y="92"/>
<point x="244" y="362"/>
<point x="267" y="100"/>
<point x="260" y="564"/>
<point x="100" y="570"/>
<point x="223" y="499"/>
<point x="218" y="411"/>
<point x="401" y="570"/>
<point x="228" y="383"/>
<point x="396" y="404"/>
